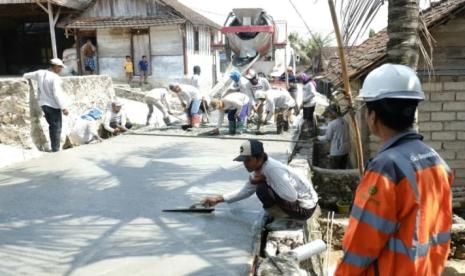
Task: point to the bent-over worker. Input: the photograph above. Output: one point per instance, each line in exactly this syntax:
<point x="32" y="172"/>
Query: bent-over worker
<point x="337" y="134"/>
<point x="280" y="103"/>
<point x="283" y="192"/>
<point x="158" y="97"/>
<point x="402" y="213"/>
<point x="190" y="99"/>
<point x="237" y="106"/>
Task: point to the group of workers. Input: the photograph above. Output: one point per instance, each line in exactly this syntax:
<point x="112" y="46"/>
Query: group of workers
<point x="87" y="127"/>
<point x="401" y="216"/>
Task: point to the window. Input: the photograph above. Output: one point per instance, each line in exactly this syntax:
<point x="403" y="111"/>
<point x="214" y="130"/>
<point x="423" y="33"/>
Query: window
<point x="196" y="41"/>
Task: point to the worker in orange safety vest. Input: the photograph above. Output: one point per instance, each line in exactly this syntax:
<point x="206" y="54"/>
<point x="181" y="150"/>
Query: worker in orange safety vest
<point x="402" y="213"/>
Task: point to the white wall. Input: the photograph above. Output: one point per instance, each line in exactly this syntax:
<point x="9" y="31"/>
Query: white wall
<point x="113" y="45"/>
<point x="166" y="53"/>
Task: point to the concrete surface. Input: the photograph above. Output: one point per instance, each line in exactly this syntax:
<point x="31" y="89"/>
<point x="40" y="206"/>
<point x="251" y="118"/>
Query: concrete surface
<point x="96" y="210"/>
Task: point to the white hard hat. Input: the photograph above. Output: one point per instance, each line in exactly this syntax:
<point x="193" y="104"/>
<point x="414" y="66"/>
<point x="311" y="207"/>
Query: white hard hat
<point x="392" y="81"/>
<point x="57" y="61"/>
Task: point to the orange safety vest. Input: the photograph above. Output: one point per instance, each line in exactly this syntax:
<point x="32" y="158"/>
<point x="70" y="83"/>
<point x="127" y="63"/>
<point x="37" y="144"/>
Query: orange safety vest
<point x="402" y="213"/>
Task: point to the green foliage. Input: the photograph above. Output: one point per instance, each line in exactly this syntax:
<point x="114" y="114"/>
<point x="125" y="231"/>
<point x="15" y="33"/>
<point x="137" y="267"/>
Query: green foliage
<point x="310" y="50"/>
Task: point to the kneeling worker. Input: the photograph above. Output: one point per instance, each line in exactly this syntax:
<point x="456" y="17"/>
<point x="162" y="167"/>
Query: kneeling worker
<point x="283" y="192"/>
<point x="116" y="121"/>
<point x="237" y="106"/>
<point x="85" y="129"/>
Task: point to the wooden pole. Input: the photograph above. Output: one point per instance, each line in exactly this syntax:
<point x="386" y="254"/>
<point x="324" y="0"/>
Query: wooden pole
<point x="52" y="29"/>
<point x="347" y="92"/>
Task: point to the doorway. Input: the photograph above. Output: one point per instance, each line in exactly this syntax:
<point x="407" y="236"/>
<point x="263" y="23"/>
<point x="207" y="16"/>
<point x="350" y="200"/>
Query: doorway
<point x="140" y="43"/>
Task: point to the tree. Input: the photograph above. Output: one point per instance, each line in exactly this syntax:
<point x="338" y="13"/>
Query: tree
<point x="403" y="31"/>
<point x="311" y="50"/>
<point x="403" y="26"/>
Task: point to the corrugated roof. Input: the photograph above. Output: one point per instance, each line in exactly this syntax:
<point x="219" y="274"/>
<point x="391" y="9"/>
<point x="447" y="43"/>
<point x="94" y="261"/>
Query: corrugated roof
<point x="373" y="51"/>
<point x="73" y="4"/>
<point x="111" y="22"/>
<point x="191" y="15"/>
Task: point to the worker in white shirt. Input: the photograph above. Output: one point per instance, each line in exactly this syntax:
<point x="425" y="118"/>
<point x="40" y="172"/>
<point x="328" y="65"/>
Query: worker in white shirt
<point x="51" y="98"/>
<point x="255" y="86"/>
<point x="85" y="129"/>
<point x="309" y="100"/>
<point x="279" y="103"/>
<point x="237" y="106"/>
<point x="283" y="192"/>
<point x="116" y="121"/>
<point x="190" y="99"/>
<point x="337" y="134"/>
<point x="158" y="97"/>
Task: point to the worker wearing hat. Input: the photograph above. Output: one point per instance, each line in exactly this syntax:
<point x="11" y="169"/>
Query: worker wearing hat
<point x="190" y="99"/>
<point x="236" y="105"/>
<point x="255" y="86"/>
<point x="337" y="133"/>
<point x="51" y="98"/>
<point x="283" y="192"/>
<point x="402" y="212"/>
<point x="116" y="121"/>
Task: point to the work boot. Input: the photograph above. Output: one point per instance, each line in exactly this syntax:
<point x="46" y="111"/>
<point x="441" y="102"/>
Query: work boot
<point x="232" y="127"/>
<point x="186" y="127"/>
<point x="286" y="126"/>
<point x="167" y="121"/>
<point x="239" y="127"/>
<point x="279" y="123"/>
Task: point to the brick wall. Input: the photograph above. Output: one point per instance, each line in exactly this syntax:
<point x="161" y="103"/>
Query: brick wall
<point x="441" y="120"/>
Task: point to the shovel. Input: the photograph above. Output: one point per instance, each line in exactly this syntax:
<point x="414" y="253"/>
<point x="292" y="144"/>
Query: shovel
<point x="196" y="208"/>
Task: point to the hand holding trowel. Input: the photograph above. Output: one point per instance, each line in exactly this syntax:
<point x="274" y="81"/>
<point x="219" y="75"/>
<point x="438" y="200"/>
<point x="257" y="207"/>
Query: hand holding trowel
<point x="196" y="208"/>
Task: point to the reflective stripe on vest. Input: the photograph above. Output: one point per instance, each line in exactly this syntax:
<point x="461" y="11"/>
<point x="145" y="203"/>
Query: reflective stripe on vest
<point x="379" y="223"/>
<point x="357" y="260"/>
<point x="418" y="250"/>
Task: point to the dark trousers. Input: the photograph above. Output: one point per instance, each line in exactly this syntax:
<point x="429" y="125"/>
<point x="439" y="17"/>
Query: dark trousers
<point x="53" y="117"/>
<point x="269" y="198"/>
<point x="338" y="162"/>
<point x="308" y="113"/>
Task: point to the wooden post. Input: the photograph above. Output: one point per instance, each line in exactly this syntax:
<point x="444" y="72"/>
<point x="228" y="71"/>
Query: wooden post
<point x="52" y="20"/>
<point x="347" y="92"/>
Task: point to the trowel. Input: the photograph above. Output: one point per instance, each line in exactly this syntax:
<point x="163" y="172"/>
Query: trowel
<point x="196" y="208"/>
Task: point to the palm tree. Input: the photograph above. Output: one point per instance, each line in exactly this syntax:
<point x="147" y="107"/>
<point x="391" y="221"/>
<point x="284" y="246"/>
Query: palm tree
<point x="403" y="26"/>
<point x="403" y="31"/>
<point x="311" y="50"/>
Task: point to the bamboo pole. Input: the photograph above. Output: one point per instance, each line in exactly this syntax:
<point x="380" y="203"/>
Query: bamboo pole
<point x="347" y="92"/>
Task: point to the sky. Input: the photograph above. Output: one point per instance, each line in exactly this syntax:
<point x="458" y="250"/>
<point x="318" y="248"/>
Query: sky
<point x="315" y="12"/>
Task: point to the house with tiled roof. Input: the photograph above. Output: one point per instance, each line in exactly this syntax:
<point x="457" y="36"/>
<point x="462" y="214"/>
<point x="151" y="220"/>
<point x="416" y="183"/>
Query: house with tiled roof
<point x="441" y="117"/>
<point x="172" y="36"/>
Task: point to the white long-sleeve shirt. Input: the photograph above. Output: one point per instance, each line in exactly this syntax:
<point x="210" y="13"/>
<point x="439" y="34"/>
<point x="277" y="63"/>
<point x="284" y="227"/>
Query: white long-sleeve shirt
<point x="50" y="88"/>
<point x="232" y="101"/>
<point x="84" y="131"/>
<point x="119" y="118"/>
<point x="285" y="182"/>
<point x="277" y="99"/>
<point x="188" y="93"/>
<point x="309" y="91"/>
<point x="338" y="134"/>
<point x="262" y="85"/>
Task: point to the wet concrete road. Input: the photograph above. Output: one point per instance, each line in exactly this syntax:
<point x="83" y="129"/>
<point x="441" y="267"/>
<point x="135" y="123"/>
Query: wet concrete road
<point x="96" y="210"/>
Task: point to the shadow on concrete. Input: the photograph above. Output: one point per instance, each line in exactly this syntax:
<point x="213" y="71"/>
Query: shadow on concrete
<point x="55" y="220"/>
